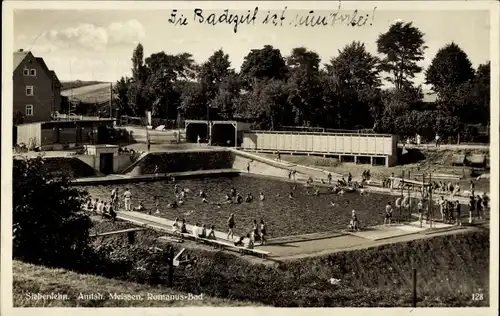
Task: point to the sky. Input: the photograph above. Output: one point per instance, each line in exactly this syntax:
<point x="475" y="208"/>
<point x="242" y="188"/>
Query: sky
<point x="98" y="44"/>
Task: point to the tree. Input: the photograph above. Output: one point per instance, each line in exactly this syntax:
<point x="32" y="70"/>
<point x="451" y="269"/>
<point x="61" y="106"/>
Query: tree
<point x="355" y="68"/>
<point x="301" y="58"/>
<point x="193" y="101"/>
<point x="448" y="70"/>
<point x="163" y="72"/>
<point x="49" y="227"/>
<point x="136" y="96"/>
<point x="481" y="93"/>
<point x="268" y="104"/>
<point x="213" y="72"/>
<point x="227" y="96"/>
<point x="470" y="101"/>
<point x="403" y="47"/>
<point x="304" y="97"/>
<point x="120" y="96"/>
<point x="356" y="75"/>
<point x="304" y="86"/>
<point x="264" y="63"/>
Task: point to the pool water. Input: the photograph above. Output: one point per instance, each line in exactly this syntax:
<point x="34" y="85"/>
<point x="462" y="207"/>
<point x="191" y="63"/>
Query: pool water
<point x="284" y="217"/>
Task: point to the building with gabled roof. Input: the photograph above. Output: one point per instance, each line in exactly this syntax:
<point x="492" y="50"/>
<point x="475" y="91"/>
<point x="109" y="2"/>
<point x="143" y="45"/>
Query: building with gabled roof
<point x="36" y="89"/>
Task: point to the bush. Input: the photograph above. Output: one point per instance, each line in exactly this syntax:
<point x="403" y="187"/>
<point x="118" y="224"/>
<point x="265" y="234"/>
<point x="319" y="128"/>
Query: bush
<point x="49" y="227"/>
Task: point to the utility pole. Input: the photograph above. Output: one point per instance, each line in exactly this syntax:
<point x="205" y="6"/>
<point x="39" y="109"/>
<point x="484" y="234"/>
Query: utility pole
<point x="402" y="183"/>
<point x="208" y="123"/>
<point x="111" y="100"/>
<point x="430" y="197"/>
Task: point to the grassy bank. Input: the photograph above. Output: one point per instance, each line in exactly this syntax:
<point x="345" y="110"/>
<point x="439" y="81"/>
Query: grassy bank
<point x="439" y="161"/>
<point x="449" y="269"/>
<point x="28" y="278"/>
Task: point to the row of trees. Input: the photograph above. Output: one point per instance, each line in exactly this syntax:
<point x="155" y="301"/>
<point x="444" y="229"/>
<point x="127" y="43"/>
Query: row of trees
<point x="347" y="93"/>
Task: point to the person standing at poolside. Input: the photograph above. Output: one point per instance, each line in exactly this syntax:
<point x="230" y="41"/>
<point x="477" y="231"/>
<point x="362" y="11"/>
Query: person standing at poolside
<point x="442" y="204"/>
<point x="115" y="199"/>
<point x="486" y="200"/>
<point x="479" y="207"/>
<point x="472" y="207"/>
<point x="472" y="187"/>
<point x="230" y="224"/>
<point x="263" y="232"/>
<point x="255" y="230"/>
<point x="458" y="213"/>
<point x="388" y="213"/>
<point x="127" y="199"/>
<point x="419" y="206"/>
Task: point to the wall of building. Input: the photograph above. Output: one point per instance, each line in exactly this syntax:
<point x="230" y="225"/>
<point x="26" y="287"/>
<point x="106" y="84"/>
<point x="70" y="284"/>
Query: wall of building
<point x="354" y="144"/>
<point x="29" y="134"/>
<point x="42" y="91"/>
<point x="57" y="99"/>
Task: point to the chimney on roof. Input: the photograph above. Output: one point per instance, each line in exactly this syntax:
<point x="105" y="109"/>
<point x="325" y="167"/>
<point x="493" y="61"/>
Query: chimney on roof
<point x="21" y="50"/>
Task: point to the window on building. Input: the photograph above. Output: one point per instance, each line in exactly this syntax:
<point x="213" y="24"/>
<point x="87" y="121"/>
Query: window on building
<point x="29" y="110"/>
<point x="26" y="72"/>
<point x="29" y="90"/>
<point x="32" y="72"/>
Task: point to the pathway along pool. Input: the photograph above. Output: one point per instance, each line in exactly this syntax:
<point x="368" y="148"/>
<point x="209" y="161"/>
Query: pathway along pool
<point x="284" y="217"/>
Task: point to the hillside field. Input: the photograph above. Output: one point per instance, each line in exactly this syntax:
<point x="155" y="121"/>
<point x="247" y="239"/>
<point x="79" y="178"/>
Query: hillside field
<point x="91" y="93"/>
<point x="77" y="84"/>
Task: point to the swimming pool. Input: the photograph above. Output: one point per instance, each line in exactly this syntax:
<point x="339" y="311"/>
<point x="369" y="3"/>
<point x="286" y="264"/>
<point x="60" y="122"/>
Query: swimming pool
<point x="284" y="217"/>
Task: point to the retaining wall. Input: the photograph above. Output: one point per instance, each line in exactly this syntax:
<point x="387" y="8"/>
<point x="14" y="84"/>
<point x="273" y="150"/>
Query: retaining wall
<point x="169" y="162"/>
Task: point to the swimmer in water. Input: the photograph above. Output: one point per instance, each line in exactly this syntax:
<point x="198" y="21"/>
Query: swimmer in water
<point x="290" y="195"/>
<point x="316" y="193"/>
<point x="176" y="189"/>
<point x="227" y="200"/>
<point x="233" y="192"/>
<point x="294" y="187"/>
<point x="249" y="198"/>
<point x="174" y="204"/>
<point x="262" y="197"/>
<point x="202" y="194"/>
<point x="333" y="204"/>
<point x="239" y="199"/>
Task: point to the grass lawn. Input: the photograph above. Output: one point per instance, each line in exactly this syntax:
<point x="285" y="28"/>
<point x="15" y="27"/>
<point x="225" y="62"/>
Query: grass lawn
<point x="35" y="279"/>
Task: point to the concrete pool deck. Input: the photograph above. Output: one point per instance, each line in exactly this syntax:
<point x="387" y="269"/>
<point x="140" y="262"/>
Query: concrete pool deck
<point x="310" y="245"/>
